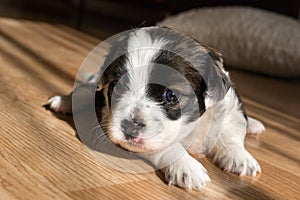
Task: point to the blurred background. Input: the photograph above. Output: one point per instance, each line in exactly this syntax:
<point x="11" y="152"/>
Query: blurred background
<point x="102" y="18"/>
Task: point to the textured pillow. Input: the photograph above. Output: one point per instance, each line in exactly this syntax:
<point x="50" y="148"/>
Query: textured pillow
<point x="248" y="38"/>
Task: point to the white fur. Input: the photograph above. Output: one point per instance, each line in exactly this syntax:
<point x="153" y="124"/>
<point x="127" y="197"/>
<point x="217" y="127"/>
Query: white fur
<point x="61" y="104"/>
<point x="142" y="49"/>
<point x="186" y="172"/>
<point x="229" y="152"/>
<point x="159" y="133"/>
<point x="179" y="167"/>
<point x="255" y="126"/>
<point x="224" y="140"/>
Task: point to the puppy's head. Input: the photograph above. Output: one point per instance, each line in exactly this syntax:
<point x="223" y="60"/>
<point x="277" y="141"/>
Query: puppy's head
<point x="158" y="88"/>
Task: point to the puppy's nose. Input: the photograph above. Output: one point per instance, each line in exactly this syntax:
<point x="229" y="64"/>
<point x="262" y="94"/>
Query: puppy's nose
<point x="132" y="127"/>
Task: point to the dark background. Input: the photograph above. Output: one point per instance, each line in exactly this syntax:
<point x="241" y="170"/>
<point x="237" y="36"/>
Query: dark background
<point x="103" y="18"/>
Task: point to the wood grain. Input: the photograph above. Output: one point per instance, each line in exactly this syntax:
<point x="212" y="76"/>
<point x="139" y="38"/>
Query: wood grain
<point x="41" y="157"/>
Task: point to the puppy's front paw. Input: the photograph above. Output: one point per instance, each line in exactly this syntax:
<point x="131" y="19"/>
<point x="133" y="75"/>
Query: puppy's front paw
<point x="186" y="173"/>
<point x="60" y="104"/>
<point x="237" y="160"/>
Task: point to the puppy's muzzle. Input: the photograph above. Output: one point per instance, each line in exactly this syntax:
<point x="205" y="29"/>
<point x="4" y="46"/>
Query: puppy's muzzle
<point x="131" y="128"/>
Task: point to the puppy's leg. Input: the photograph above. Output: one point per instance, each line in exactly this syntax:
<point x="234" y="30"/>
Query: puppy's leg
<point x="83" y="95"/>
<point x="255" y="126"/>
<point x="229" y="152"/>
<point x="60" y="104"/>
<point x="184" y="171"/>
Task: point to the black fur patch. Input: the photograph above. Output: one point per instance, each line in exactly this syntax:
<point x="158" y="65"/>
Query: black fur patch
<point x="99" y="103"/>
<point x="190" y="106"/>
<point x="115" y="70"/>
<point x="113" y="78"/>
<point x="155" y="92"/>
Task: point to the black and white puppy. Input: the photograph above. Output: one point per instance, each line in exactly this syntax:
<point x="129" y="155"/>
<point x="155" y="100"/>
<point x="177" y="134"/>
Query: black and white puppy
<point x="163" y="95"/>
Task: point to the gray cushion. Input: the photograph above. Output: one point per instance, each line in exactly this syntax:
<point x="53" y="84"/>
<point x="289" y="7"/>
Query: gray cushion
<point x="248" y="38"/>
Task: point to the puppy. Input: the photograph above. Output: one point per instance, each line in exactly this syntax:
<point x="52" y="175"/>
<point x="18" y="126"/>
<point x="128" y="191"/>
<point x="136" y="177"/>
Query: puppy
<point x="163" y="94"/>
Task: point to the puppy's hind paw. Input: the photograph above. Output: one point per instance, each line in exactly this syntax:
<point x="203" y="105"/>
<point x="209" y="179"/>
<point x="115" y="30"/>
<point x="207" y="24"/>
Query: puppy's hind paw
<point x="60" y="104"/>
<point x="255" y="126"/>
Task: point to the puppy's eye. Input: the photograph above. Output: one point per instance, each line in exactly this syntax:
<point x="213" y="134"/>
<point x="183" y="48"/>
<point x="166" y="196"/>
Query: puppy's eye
<point x="171" y="97"/>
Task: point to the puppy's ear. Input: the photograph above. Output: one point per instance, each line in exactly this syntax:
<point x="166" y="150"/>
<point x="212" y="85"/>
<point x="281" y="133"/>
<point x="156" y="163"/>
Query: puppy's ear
<point x="217" y="79"/>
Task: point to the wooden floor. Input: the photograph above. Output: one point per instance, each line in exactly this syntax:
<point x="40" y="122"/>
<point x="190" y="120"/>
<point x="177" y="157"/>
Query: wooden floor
<point x="41" y="158"/>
